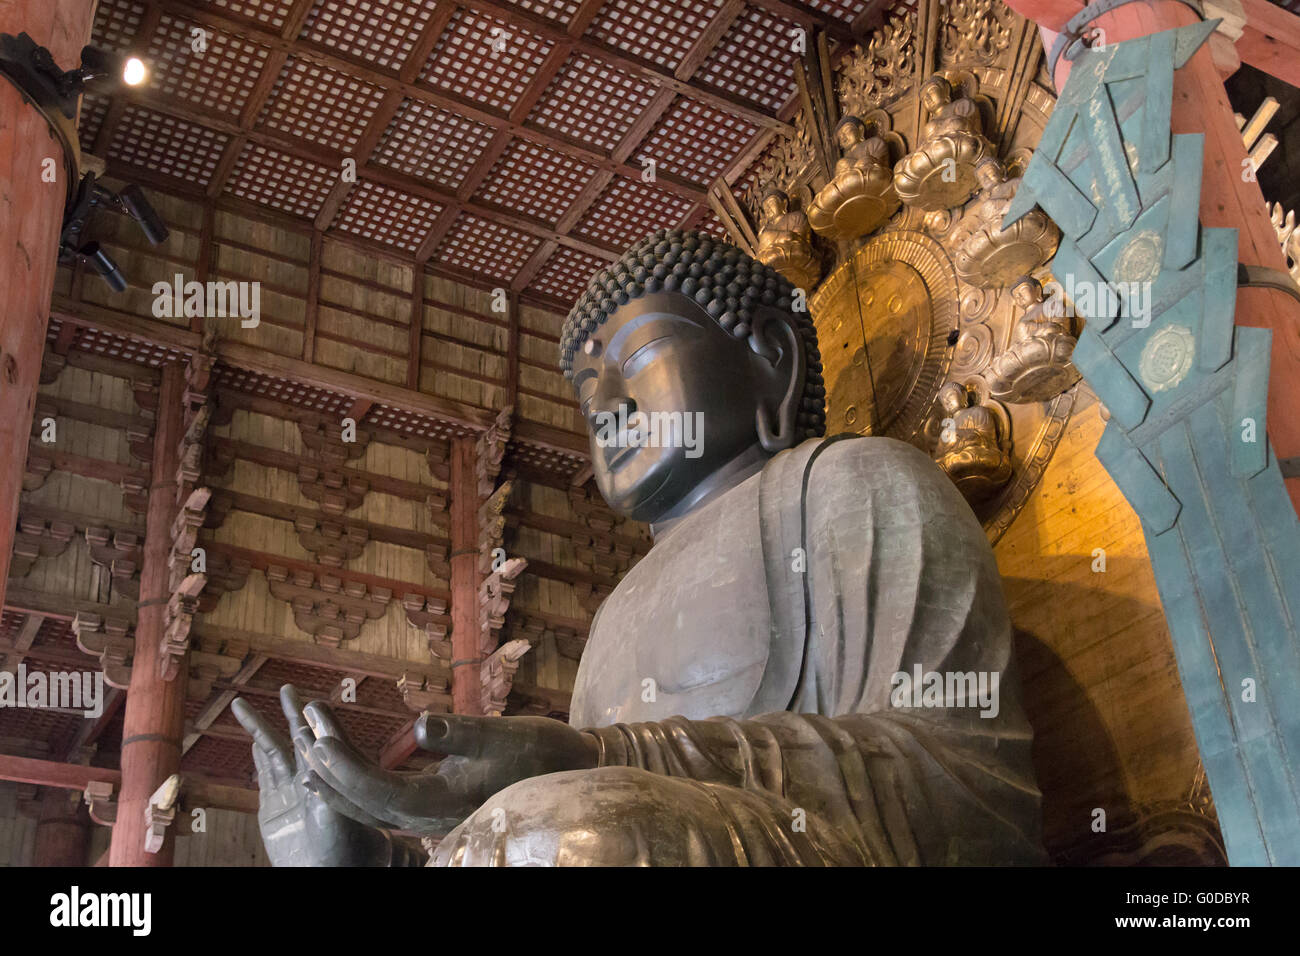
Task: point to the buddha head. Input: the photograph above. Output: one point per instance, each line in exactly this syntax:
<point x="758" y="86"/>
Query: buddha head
<point x="1027" y="292"/>
<point x="936" y="93"/>
<point x="849" y="133"/>
<point x="775" y="203"/>
<point x="953" y="397"/>
<point x="685" y="358"/>
<point x="990" y="173"/>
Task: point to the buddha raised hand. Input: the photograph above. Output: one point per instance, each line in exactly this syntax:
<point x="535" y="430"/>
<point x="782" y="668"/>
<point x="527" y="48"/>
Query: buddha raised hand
<point x="811" y="666"/>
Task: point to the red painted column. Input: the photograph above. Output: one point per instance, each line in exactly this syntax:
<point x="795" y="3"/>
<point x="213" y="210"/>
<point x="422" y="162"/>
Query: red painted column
<point x="31" y="212"/>
<point x="1228" y="200"/>
<point x="466" y="683"/>
<point x="154" y="722"/>
<point x="62" y="829"/>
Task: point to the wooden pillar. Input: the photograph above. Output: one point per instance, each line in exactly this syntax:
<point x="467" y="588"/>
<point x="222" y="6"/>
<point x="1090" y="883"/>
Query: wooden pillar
<point x="466" y="692"/>
<point x="62" y="829"/>
<point x="155" y="708"/>
<point x="1228" y="199"/>
<point x="30" y="217"/>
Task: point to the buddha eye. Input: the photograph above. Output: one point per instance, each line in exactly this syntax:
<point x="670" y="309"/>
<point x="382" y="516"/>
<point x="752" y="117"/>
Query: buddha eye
<point x="642" y="357"/>
<point x="586" y="392"/>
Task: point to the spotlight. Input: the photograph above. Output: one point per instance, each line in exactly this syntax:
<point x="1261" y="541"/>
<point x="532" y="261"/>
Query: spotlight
<point x="134" y="73"/>
<point x="141" y="210"/>
<point x="100" y="69"/>
<point x="99" y="260"/>
<point x="92" y="195"/>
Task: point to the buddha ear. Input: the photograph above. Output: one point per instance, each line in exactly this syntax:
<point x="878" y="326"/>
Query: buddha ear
<point x="782" y="354"/>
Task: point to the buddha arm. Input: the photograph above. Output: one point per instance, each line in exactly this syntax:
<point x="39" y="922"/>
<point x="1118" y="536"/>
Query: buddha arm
<point x="897" y="789"/>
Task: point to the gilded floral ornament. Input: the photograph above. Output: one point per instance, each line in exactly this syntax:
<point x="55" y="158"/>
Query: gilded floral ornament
<point x="786" y="163"/>
<point x="976" y="31"/>
<point x="882" y="71"/>
<point x="860" y="197"/>
<point x="989" y="256"/>
<point x="940" y="172"/>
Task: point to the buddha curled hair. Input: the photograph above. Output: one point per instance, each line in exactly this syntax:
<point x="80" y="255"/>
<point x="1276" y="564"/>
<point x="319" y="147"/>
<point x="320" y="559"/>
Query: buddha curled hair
<point x="728" y="284"/>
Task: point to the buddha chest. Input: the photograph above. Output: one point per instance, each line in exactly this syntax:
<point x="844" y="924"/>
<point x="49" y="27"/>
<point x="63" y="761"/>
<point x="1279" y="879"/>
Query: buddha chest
<point x="687" y="629"/>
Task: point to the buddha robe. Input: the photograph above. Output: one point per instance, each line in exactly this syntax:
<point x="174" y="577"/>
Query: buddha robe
<point x="741" y="682"/>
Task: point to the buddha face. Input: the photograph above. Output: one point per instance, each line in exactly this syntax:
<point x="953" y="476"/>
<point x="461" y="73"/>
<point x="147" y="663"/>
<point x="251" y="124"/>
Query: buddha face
<point x="936" y="96"/>
<point x="774" y="205"/>
<point x="952" y="398"/>
<point x="670" y="397"/>
<point x="989" y="174"/>
<point x="1026" y="293"/>
<point x="849" y="134"/>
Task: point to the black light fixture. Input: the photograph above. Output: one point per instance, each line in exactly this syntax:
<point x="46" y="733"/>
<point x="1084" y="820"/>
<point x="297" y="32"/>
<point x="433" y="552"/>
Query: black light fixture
<point x="56" y="93"/>
<point x="92" y="195"/>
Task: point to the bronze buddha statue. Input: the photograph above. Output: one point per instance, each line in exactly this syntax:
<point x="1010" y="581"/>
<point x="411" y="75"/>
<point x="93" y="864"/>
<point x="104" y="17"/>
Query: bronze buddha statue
<point x="860" y="196"/>
<point x="985" y="254"/>
<point x="785" y="241"/>
<point x="752" y="688"/>
<point x="940" y="172"/>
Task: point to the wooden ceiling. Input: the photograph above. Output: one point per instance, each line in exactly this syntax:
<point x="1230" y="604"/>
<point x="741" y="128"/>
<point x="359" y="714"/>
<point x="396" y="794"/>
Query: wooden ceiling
<point x="498" y="140"/>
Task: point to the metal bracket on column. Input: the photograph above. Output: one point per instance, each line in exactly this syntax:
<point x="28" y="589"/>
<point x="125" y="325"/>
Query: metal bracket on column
<point x="1073" y="39"/>
<point x="1262" y="277"/>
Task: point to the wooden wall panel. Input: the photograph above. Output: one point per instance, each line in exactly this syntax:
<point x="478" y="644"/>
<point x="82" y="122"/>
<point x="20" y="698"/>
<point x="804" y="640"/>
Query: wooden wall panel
<point x="230" y="839"/>
<point x="1101" y="684"/>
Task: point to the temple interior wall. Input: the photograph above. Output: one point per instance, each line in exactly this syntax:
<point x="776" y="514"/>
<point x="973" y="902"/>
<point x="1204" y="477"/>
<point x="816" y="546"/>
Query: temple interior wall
<point x="1101" y="685"/>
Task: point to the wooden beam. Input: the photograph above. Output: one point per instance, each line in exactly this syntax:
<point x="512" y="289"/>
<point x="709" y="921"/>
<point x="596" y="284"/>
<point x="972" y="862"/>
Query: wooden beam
<point x="1270" y="41"/>
<point x="221" y="700"/>
<point x="63" y="607"/>
<point x="117" y="104"/>
<point x="302" y="651"/>
<point x="512" y="352"/>
<point x="709" y="38"/>
<point x="49" y="773"/>
<point x="466" y="686"/>
<point x="91" y="730"/>
<point x="261" y="361"/>
<point x="399" y="747"/>
<point x="415" y="334"/>
<point x="313" y="297"/>
<point x="633" y="65"/>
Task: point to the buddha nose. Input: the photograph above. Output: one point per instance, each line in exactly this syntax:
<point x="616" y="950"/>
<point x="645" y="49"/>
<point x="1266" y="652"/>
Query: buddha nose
<point x="609" y="399"/>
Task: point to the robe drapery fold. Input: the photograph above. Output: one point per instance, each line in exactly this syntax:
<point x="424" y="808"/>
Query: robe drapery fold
<point x="892" y="575"/>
